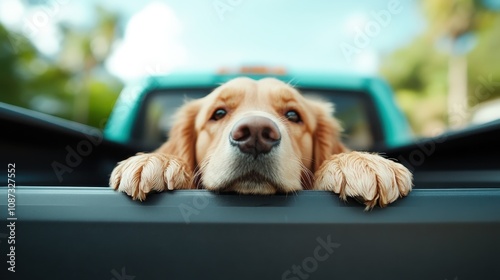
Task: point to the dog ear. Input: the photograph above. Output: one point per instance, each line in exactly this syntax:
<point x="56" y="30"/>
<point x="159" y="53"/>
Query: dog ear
<point x="327" y="134"/>
<point x="182" y="136"/>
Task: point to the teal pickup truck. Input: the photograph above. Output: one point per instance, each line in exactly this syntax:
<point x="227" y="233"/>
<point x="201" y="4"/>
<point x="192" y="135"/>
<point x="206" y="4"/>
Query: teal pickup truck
<point x="62" y="221"/>
<point x="364" y="105"/>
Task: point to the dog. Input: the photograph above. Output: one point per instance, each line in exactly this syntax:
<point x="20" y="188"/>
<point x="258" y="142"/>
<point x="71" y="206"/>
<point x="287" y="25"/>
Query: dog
<point x="260" y="137"/>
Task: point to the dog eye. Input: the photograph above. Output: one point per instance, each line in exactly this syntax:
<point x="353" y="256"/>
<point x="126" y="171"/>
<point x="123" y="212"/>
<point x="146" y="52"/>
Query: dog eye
<point x="218" y="114"/>
<point x="293" y="116"/>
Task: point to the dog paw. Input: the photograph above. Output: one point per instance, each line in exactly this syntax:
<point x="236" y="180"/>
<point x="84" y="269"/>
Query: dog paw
<point x="143" y="173"/>
<point x="369" y="178"/>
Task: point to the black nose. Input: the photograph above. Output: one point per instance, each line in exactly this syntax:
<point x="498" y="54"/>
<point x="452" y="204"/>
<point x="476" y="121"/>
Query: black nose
<point x="255" y="135"/>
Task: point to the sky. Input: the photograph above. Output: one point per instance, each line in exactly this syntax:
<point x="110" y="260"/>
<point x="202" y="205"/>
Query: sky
<point x="160" y="37"/>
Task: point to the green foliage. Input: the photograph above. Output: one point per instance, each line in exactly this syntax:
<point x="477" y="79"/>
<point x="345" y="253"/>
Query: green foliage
<point x="484" y="66"/>
<point x="419" y="72"/>
<point x="72" y="85"/>
<point x="102" y="98"/>
<point x="10" y="78"/>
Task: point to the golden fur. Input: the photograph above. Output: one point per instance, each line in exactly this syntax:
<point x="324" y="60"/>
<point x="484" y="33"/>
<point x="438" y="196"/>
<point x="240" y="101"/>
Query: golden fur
<point x="309" y="155"/>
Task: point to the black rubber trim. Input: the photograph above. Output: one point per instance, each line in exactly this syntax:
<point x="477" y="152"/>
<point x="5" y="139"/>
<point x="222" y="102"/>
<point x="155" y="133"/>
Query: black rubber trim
<point x="455" y="159"/>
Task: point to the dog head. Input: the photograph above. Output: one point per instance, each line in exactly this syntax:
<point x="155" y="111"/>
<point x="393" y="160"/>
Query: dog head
<point x="258" y="137"/>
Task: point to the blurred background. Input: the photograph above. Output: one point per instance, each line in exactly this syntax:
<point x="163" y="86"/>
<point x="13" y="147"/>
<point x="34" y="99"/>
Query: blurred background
<point x="71" y="58"/>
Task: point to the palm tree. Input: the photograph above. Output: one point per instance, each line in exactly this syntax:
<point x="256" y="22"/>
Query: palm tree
<point x="455" y="21"/>
<point x="85" y="51"/>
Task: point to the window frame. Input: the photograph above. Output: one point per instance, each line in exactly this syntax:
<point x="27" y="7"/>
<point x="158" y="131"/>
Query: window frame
<point x="368" y="102"/>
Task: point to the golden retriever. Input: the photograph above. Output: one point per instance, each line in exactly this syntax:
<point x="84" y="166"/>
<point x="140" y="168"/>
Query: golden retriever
<point x="260" y="137"/>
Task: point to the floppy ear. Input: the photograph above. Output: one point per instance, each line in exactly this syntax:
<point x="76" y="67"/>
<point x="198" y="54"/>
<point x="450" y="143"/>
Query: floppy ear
<point x="182" y="137"/>
<point x="327" y="134"/>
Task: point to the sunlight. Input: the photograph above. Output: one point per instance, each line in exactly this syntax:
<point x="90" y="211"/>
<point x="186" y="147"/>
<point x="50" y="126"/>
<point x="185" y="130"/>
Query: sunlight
<point x="11" y="12"/>
<point x="150" y="46"/>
